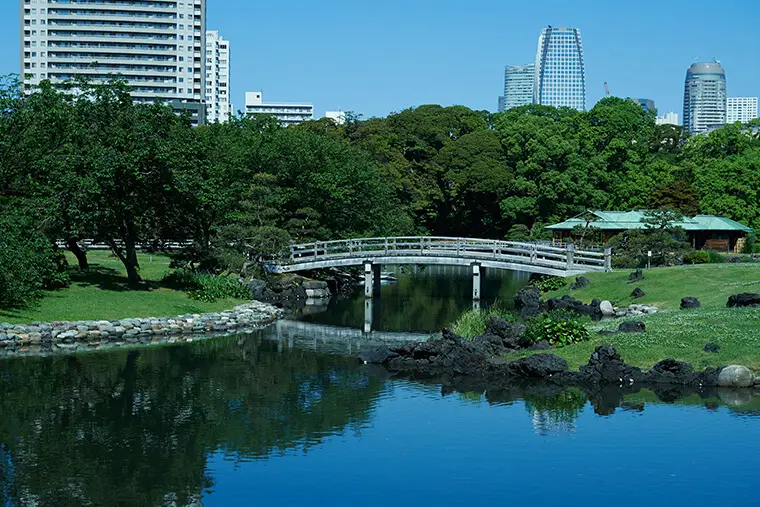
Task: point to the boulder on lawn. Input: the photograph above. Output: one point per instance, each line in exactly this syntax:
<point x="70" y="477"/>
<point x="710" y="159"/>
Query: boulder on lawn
<point x="607" y="309"/>
<point x="528" y="301"/>
<point x="580" y="282"/>
<point x="735" y="376"/>
<point x="712" y="348"/>
<point x="637" y="293"/>
<point x="690" y="302"/>
<point x="632" y="327"/>
<point x="636" y="276"/>
<point x="744" y="300"/>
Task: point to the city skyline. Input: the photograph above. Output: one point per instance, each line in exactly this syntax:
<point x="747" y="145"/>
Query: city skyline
<point x="374" y="70"/>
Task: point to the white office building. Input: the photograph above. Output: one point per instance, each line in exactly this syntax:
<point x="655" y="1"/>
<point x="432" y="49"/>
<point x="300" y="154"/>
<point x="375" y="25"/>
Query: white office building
<point x="157" y="46"/>
<point x="218" y="107"/>
<point x="519" y="81"/>
<point x="667" y="119"/>
<point x="285" y="113"/>
<point x="560" y="74"/>
<point x="741" y="109"/>
<point x="704" y="101"/>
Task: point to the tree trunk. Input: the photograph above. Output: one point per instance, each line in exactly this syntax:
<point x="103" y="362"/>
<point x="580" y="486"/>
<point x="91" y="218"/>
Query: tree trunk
<point x="80" y="254"/>
<point x="128" y="258"/>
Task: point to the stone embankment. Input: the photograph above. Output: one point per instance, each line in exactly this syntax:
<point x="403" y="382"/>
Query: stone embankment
<point x="62" y="337"/>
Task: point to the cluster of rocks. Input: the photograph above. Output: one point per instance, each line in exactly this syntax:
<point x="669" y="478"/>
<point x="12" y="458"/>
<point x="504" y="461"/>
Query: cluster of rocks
<point x="609" y="310"/>
<point x="293" y="291"/>
<point x="68" y="336"/>
<point x="528" y="302"/>
<point x="452" y="355"/>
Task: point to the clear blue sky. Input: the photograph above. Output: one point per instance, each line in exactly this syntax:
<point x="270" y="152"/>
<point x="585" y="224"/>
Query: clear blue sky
<point x="374" y="57"/>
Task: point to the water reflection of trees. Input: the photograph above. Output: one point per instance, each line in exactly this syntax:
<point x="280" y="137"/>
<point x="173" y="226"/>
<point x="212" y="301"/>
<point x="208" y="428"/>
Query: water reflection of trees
<point x="424" y="299"/>
<point x="136" y="427"/>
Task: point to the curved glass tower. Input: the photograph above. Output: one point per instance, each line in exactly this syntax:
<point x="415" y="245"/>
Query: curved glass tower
<point x="560" y="71"/>
<point x="704" y="99"/>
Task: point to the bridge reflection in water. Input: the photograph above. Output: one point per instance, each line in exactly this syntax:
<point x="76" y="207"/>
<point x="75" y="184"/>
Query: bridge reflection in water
<point x="337" y="340"/>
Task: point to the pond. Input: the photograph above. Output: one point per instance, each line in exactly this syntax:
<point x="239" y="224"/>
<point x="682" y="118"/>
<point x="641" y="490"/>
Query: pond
<point x="266" y="420"/>
<point x="422" y="299"/>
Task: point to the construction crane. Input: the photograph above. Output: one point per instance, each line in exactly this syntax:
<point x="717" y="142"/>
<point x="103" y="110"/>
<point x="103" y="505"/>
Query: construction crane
<point x="606" y="89"/>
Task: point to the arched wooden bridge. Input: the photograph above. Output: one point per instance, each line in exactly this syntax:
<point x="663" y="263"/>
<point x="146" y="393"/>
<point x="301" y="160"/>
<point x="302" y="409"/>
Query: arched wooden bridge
<point x="478" y="253"/>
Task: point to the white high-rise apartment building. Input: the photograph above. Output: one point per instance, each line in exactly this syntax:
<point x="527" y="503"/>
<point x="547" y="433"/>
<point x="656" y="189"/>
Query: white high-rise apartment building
<point x="157" y="46"/>
<point x="560" y="70"/>
<point x="218" y="107"/>
<point x="667" y="119"/>
<point x="704" y="100"/>
<point x="286" y="113"/>
<point x="741" y="109"/>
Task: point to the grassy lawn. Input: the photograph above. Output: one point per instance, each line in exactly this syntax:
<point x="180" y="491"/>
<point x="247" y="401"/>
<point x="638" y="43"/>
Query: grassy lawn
<point x="103" y="294"/>
<point x="675" y="333"/>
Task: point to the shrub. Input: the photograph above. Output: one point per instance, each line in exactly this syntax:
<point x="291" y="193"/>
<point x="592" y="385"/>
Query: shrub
<point x="29" y="262"/>
<point x="206" y="287"/>
<point x="696" y="257"/>
<point x="473" y="323"/>
<point x="715" y="257"/>
<point x="546" y="283"/>
<point x="735" y="259"/>
<point x="558" y="328"/>
<point x="750" y="246"/>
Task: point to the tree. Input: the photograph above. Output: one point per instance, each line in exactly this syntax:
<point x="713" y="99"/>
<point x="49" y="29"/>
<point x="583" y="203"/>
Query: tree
<point x="29" y="262"/>
<point x="661" y="219"/>
<point x="678" y="195"/>
<point x="126" y="153"/>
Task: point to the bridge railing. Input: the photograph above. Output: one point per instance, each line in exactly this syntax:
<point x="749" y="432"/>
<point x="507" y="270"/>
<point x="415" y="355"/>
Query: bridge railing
<point x="433" y="246"/>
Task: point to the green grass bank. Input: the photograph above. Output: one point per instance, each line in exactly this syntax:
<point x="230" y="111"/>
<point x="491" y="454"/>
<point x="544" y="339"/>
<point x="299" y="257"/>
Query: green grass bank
<point x="104" y="294"/>
<point x="671" y="333"/>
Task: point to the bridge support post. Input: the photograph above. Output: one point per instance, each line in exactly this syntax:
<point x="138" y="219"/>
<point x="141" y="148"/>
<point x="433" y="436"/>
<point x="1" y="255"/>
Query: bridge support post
<point x="377" y="273"/>
<point x="570" y="257"/>
<point x="476" y="282"/>
<point x="368" y="308"/>
<point x="608" y="259"/>
<point x="371" y="279"/>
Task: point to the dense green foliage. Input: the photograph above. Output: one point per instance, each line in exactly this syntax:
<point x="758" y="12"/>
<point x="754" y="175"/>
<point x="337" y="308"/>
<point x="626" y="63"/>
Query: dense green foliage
<point x="559" y="328"/>
<point x="546" y="283"/>
<point x="97" y="165"/>
<point x="28" y="261"/>
<point x="206" y="287"/>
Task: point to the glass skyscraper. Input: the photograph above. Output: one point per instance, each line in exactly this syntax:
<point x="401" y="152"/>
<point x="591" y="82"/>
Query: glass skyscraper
<point x="704" y="99"/>
<point x="560" y="77"/>
<point x="518" y="86"/>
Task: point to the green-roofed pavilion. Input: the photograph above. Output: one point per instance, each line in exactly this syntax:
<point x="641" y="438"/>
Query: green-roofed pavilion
<point x="708" y="232"/>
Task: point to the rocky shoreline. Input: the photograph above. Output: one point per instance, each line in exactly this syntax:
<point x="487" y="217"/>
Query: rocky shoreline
<point x="66" y="337"/>
<point x="484" y="357"/>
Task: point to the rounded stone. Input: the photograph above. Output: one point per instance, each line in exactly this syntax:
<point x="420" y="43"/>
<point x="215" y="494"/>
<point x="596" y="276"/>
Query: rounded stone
<point x="607" y="309"/>
<point x="736" y="376"/>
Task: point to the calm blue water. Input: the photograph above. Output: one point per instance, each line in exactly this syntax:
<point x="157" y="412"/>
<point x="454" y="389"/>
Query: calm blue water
<point x="251" y="421"/>
<point x="288" y="417"/>
<point x="422" y="449"/>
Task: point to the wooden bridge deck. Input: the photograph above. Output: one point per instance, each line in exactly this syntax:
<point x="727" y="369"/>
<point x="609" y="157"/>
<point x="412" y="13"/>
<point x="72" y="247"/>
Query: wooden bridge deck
<point x="509" y="255"/>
